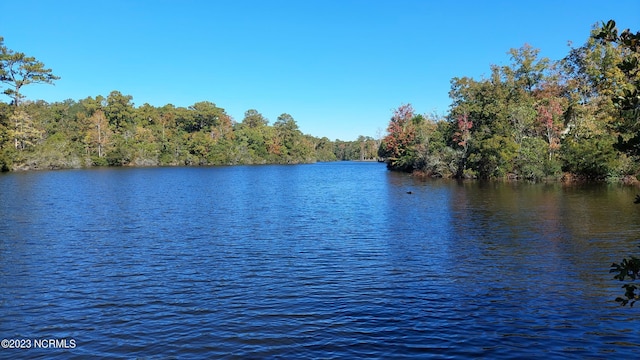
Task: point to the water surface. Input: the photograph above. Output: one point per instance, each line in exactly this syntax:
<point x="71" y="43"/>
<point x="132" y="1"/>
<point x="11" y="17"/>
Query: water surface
<point x="330" y="260"/>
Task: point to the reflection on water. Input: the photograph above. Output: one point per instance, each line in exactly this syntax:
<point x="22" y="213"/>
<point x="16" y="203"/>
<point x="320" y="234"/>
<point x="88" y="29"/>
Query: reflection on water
<point x="330" y="260"/>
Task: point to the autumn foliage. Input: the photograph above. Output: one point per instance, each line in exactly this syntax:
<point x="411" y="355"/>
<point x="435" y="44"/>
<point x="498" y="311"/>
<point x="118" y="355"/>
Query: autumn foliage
<point x="401" y="136"/>
<point x="534" y="118"/>
<point x="463" y="131"/>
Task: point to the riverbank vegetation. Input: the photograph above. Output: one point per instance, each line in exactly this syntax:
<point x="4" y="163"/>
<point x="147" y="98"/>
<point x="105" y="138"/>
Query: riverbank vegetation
<point x="533" y="119"/>
<point x="628" y="103"/>
<point x="112" y="131"/>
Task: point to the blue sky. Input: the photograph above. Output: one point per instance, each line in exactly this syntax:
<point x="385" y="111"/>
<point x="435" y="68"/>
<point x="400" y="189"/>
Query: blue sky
<point x="339" y="67"/>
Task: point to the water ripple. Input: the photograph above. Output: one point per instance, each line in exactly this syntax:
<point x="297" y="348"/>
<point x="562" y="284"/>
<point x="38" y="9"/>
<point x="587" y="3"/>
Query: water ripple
<point x="318" y="261"/>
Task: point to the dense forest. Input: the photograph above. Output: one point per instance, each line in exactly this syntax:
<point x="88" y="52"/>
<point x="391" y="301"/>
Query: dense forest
<point x="533" y="119"/>
<point x="112" y="131"/>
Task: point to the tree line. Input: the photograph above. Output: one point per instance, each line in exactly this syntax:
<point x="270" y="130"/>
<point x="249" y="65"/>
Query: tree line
<point x="532" y="119"/>
<point x="112" y="131"/>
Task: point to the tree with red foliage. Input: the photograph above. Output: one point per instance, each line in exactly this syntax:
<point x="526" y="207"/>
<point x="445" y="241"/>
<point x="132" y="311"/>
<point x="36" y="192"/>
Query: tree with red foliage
<point x="462" y="136"/>
<point x="463" y="133"/>
<point x="396" y="147"/>
<point x="549" y="111"/>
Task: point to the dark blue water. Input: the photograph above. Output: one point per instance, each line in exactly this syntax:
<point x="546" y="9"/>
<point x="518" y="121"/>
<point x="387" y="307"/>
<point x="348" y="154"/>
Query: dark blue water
<point x="330" y="260"/>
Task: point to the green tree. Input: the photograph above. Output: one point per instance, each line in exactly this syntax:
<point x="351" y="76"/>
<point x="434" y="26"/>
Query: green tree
<point x="121" y="152"/>
<point x="494" y="119"/>
<point x="532" y="162"/>
<point x="287" y="134"/>
<point x="61" y="117"/>
<point x="324" y="149"/>
<point x="627" y="99"/>
<point x="203" y="116"/>
<point x="593" y="158"/>
<point x="254" y="119"/>
<point x="4" y="55"/>
<point x="252" y="137"/>
<point x="628" y="269"/>
<point x="594" y="79"/>
<point x="119" y="110"/>
<point x="18" y="70"/>
<point x="367" y="148"/>
<point x="527" y="71"/>
<point x="627" y="94"/>
<point x="6" y="148"/>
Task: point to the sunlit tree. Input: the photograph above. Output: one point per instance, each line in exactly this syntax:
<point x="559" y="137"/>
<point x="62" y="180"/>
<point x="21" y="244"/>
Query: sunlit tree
<point x="18" y="70"/>
<point x="99" y="134"/>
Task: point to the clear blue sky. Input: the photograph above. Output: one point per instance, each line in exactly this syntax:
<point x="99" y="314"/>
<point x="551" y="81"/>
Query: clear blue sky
<point x="338" y="67"/>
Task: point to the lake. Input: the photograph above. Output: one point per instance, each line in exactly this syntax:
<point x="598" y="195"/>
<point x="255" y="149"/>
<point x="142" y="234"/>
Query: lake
<point x="328" y="260"/>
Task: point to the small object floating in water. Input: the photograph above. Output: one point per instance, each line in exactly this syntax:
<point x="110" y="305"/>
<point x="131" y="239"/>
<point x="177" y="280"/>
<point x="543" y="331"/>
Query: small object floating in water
<point x="409" y="192"/>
